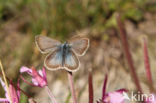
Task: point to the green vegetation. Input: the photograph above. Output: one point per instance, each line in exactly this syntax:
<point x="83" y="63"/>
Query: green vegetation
<point x="62" y="17"/>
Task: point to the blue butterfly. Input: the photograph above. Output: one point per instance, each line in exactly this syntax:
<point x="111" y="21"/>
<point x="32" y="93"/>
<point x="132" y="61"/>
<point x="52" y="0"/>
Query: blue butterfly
<point x="62" y="55"/>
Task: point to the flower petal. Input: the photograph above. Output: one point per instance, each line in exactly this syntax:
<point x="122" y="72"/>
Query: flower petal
<point x="4" y="100"/>
<point x="39" y="79"/>
<point x="26" y="69"/>
<point x="34" y="82"/>
<point x="13" y="94"/>
<point x="114" y="97"/>
<point x="40" y="72"/>
<point x="151" y="99"/>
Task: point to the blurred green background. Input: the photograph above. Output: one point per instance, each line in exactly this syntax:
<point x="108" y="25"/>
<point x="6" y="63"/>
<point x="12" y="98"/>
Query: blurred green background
<point x="61" y="17"/>
<point x="21" y="20"/>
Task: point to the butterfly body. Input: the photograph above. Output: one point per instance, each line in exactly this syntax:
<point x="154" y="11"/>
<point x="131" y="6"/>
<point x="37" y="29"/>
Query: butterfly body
<point x="64" y="49"/>
<point x="62" y="55"/>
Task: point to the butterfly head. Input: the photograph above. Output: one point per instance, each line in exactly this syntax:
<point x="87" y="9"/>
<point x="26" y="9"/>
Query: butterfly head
<point x="66" y="47"/>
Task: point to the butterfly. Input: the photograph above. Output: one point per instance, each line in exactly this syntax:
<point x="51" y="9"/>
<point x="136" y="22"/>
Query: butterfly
<point x="62" y="55"/>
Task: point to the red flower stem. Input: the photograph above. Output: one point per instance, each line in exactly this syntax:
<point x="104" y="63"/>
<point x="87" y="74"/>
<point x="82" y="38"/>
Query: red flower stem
<point x="124" y="42"/>
<point x="147" y="63"/>
<point x="90" y="84"/>
<point x="27" y="81"/>
<point x="50" y="95"/>
<point x="71" y="83"/>
<point x="22" y="91"/>
<point x="104" y="87"/>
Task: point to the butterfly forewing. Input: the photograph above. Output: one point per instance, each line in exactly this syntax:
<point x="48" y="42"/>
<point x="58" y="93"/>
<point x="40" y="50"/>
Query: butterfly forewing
<point x="79" y="45"/>
<point x="54" y="60"/>
<point x="71" y="62"/>
<point x="46" y="44"/>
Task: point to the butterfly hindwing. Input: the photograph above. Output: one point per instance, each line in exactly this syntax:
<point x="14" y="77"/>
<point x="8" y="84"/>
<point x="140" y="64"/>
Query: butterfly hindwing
<point x="54" y="60"/>
<point x="46" y="44"/>
<point x="71" y="62"/>
<point x="79" y="45"/>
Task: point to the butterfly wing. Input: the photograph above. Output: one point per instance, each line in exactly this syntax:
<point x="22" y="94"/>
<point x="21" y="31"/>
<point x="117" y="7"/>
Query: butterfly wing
<point x="79" y="45"/>
<point x="54" y="60"/>
<point x="71" y="62"/>
<point x="46" y="44"/>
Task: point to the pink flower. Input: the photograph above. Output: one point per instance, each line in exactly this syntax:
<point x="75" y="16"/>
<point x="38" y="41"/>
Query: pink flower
<point x="115" y="97"/>
<point x="15" y="95"/>
<point x="151" y="99"/>
<point x="39" y="78"/>
<point x="112" y="97"/>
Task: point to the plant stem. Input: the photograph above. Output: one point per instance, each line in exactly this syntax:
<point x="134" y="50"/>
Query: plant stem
<point x="21" y="77"/>
<point x="146" y="61"/>
<point x="50" y="95"/>
<point x="124" y="42"/>
<point x="104" y="87"/>
<point x="147" y="64"/>
<point x="71" y="83"/>
<point x="90" y="84"/>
